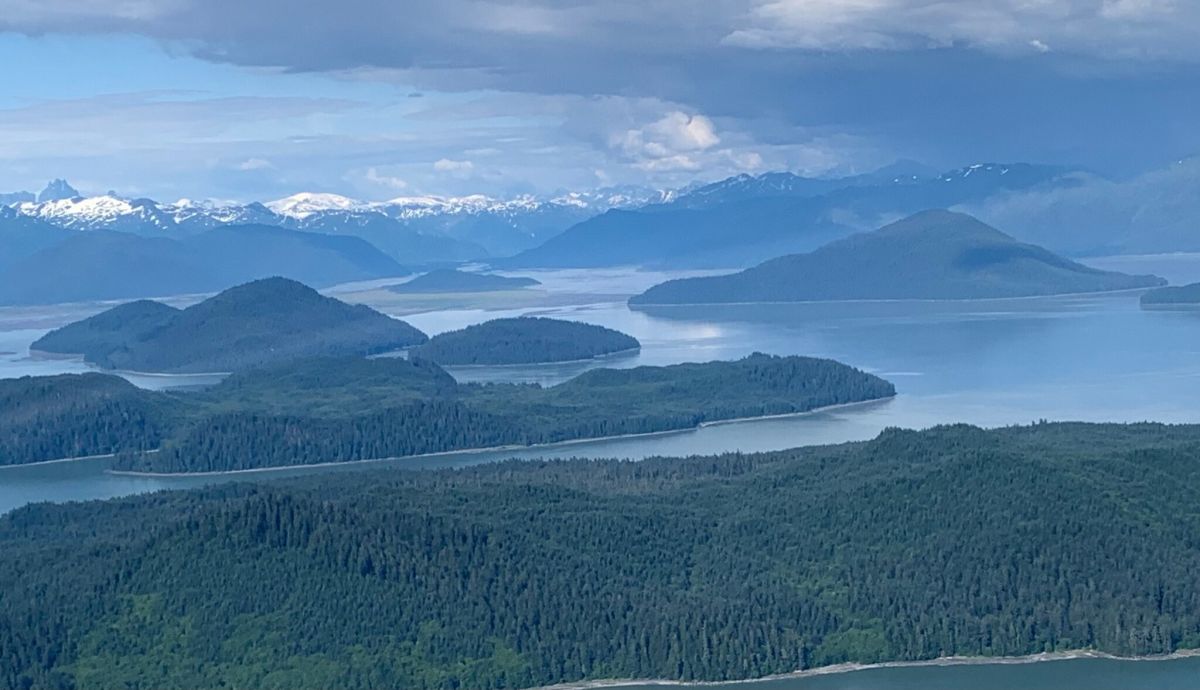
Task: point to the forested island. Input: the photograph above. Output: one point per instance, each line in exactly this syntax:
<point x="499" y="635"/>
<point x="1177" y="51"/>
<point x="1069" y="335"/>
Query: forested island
<point x="339" y="410"/>
<point x="525" y="340"/>
<point x="916" y="545"/>
<point x="450" y="280"/>
<point x="930" y="255"/>
<point x="1183" y="295"/>
<point x="255" y="324"/>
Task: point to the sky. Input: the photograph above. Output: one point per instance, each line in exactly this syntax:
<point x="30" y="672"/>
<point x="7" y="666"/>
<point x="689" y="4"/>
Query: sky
<point x="375" y="99"/>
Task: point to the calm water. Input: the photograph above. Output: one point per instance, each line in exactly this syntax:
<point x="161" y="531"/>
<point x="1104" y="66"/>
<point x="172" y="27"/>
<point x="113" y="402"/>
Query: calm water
<point x="990" y="363"/>
<point x="1082" y="674"/>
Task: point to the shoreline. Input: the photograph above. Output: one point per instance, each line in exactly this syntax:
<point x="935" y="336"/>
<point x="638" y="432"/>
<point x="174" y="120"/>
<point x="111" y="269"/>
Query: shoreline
<point x="851" y="667"/>
<point x="489" y="449"/>
<point x="43" y="355"/>
<point x="902" y="300"/>
<point x="82" y="458"/>
<point x="597" y="358"/>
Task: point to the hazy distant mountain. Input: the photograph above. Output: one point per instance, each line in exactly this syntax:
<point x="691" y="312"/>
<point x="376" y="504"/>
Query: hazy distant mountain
<point x="1155" y="212"/>
<point x="9" y="198"/>
<point x="449" y="280"/>
<point x="104" y="265"/>
<point x="21" y="236"/>
<point x="789" y="184"/>
<point x="262" y="322"/>
<point x="745" y="219"/>
<point x="55" y="190"/>
<point x="727" y="234"/>
<point x="931" y="255"/>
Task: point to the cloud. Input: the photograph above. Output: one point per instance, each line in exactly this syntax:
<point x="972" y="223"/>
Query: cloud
<point x="1099" y="28"/>
<point x="652" y="91"/>
<point x="666" y="144"/>
<point x="255" y="164"/>
<point x="1152" y="212"/>
<point x="445" y="165"/>
<point x="375" y="177"/>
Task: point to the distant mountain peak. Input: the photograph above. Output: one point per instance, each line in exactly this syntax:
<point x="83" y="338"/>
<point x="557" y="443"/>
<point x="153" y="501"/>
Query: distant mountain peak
<point x="305" y="204"/>
<point x="56" y="190"/>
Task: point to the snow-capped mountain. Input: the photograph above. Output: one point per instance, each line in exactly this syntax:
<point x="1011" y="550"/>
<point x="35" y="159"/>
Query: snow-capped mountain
<point x="413" y="229"/>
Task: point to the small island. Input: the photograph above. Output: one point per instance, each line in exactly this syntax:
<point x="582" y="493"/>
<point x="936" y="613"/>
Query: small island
<point x="933" y="255"/>
<point x="525" y="340"/>
<point x="262" y="322"/>
<point x="449" y="280"/>
<point x="1185" y="296"/>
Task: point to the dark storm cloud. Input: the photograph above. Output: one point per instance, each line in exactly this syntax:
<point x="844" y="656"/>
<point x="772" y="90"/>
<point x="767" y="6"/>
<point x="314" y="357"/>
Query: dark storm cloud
<point x="1103" y="83"/>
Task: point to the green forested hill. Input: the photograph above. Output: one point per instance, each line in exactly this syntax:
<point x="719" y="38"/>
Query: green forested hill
<point x="911" y="546"/>
<point x="525" y="340"/>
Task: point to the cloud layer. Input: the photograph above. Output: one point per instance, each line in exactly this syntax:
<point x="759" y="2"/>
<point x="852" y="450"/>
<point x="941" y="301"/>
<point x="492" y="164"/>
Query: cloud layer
<point x="661" y="91"/>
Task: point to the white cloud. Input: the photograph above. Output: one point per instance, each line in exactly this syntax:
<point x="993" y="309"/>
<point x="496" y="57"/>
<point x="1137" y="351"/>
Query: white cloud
<point x="446" y="165"/>
<point x="665" y="144"/>
<point x="255" y="164"/>
<point x="746" y="160"/>
<point x="377" y="178"/>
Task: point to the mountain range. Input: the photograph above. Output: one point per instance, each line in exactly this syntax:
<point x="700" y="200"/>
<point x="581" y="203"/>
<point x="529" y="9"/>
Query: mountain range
<point x="745" y="220"/>
<point x="413" y="230"/>
<point x="60" y="246"/>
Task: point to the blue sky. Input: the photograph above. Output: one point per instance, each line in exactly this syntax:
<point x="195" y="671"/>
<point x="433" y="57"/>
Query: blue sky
<point x="227" y="99"/>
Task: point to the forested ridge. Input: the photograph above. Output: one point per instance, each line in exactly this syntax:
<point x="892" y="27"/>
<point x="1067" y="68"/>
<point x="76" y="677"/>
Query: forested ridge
<point x="339" y="409"/>
<point x="952" y="541"/>
<point x="66" y="416"/>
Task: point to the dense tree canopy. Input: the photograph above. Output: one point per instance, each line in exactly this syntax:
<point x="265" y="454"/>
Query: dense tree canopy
<point x="911" y="546"/>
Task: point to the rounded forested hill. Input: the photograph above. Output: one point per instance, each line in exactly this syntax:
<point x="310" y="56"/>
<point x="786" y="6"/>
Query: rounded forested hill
<point x="259" y="323"/>
<point x="934" y="254"/>
<point x="525" y="340"/>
